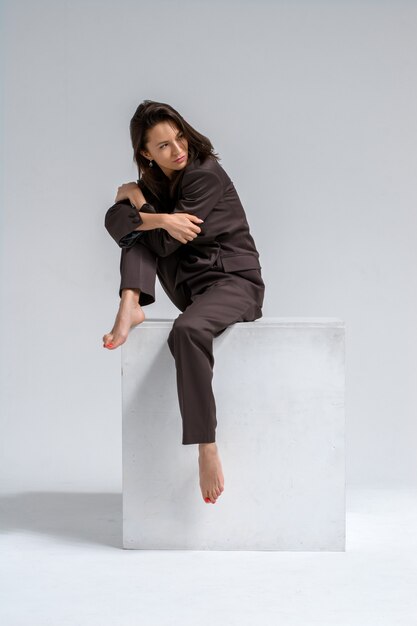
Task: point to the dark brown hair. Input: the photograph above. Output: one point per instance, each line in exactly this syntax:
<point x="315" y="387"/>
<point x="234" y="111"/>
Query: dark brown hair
<point x="162" y="188"/>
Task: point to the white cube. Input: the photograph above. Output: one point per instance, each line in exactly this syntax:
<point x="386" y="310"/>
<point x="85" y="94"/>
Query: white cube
<point x="279" y="385"/>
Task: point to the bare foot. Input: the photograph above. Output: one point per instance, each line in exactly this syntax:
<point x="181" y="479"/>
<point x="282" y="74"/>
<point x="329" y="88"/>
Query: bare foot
<point x="130" y="314"/>
<point x="211" y="474"/>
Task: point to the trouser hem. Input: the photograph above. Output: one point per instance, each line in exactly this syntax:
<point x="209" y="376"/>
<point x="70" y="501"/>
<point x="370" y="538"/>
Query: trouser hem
<point x="188" y="441"/>
<point x="144" y="298"/>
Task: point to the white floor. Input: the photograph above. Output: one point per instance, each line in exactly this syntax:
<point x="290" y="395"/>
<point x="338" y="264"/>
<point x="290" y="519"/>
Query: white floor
<point x="62" y="564"/>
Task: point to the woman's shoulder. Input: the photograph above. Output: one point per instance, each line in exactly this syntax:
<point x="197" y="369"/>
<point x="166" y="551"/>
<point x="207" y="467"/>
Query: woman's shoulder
<point x="208" y="169"/>
<point x="208" y="164"/>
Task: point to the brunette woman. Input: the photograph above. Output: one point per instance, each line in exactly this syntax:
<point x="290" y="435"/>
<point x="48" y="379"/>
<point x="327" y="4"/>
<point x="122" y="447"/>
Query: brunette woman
<point x="183" y="221"/>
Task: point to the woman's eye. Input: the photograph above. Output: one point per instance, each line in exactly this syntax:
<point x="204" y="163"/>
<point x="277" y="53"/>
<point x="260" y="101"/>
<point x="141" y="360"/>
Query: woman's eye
<point x="181" y="136"/>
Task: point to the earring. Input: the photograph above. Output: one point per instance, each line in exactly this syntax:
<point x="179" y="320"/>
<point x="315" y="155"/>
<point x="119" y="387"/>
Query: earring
<point x="150" y="163"/>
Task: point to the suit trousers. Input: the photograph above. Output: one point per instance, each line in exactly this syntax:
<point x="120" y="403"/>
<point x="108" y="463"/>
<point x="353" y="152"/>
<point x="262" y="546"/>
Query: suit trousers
<point x="209" y="302"/>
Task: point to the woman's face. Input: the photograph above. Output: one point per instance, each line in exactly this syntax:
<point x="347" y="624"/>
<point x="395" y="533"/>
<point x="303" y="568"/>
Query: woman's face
<point x="166" y="143"/>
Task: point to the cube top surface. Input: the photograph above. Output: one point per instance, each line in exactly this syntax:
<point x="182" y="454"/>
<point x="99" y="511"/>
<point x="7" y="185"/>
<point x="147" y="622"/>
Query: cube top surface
<point x="285" y="322"/>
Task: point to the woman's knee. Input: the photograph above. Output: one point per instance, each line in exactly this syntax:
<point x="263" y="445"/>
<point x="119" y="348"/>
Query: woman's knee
<point x="187" y="327"/>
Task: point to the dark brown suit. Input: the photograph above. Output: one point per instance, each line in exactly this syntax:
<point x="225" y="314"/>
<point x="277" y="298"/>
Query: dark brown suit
<point x="215" y="280"/>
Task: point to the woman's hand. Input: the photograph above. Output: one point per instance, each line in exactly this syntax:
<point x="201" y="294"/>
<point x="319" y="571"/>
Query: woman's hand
<point x="182" y="226"/>
<point x="132" y="192"/>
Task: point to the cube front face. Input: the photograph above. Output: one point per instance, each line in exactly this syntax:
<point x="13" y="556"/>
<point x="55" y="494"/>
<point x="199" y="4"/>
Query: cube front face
<point x="279" y="385"/>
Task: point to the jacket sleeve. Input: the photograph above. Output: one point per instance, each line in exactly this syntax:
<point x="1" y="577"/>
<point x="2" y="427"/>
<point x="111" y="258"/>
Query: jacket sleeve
<point x="201" y="191"/>
<point x="121" y="220"/>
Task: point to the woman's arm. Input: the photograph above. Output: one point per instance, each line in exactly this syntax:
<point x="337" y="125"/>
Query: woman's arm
<point x="201" y="191"/>
<point x="126" y="224"/>
<point x="181" y="226"/>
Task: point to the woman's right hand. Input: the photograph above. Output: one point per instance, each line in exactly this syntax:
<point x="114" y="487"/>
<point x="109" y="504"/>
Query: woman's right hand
<point x="131" y="192"/>
<point x="182" y="226"/>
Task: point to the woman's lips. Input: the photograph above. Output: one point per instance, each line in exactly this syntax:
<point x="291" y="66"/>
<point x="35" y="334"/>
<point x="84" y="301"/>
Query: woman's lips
<point x="180" y="159"/>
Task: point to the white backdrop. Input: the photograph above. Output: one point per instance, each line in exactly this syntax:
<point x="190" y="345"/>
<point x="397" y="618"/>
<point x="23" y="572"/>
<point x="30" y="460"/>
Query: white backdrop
<point x="312" y="107"/>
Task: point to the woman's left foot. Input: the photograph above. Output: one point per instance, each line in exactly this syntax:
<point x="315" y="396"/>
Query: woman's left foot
<point x="211" y="474"/>
<point x="130" y="314"/>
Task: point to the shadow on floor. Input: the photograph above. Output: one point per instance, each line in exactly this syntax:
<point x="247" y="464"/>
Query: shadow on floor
<point x="94" y="518"/>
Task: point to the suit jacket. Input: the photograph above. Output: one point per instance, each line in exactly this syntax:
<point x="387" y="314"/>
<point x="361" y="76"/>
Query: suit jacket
<point x="224" y="241"/>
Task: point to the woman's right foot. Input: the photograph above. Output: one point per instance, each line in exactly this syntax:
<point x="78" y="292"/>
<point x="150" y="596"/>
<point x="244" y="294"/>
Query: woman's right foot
<point x="130" y="314"/>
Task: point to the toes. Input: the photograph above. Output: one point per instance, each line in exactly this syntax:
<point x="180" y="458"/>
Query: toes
<point x="108" y="343"/>
<point x="218" y="491"/>
<point x="113" y="342"/>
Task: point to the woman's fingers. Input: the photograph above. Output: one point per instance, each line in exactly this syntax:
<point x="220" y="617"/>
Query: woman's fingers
<point x="193" y="218"/>
<point x="127" y="191"/>
<point x="194" y="222"/>
<point x="183" y="226"/>
<point x="136" y="197"/>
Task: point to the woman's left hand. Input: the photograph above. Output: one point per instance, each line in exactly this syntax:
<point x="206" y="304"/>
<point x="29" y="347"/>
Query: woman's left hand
<point x="132" y="192"/>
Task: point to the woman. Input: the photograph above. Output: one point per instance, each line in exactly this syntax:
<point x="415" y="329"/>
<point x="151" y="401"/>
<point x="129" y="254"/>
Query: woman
<point x="183" y="222"/>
